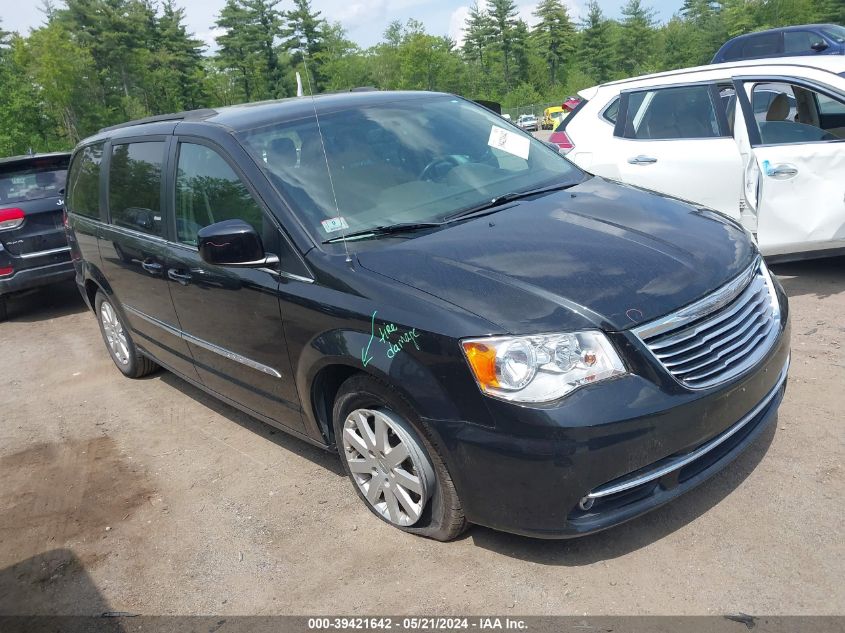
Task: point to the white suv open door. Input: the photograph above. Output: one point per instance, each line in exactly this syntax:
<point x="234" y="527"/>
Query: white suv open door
<point x="794" y="162"/>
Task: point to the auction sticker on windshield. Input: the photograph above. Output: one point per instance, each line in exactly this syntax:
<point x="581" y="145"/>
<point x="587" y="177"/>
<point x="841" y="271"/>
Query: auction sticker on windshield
<point x="334" y="224"/>
<point x="509" y="142"/>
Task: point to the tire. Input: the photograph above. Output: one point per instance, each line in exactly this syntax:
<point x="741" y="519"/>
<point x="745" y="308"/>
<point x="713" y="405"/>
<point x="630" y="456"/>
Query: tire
<point x="119" y="343"/>
<point x="437" y="511"/>
<point x="3" y="310"/>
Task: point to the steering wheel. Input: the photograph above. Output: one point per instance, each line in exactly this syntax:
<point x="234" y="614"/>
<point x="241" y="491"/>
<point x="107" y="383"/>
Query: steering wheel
<point x="429" y="170"/>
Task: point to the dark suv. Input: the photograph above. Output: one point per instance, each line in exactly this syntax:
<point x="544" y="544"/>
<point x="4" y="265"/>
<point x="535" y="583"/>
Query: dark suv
<point x="484" y="332"/>
<point x="788" y="41"/>
<point x="33" y="247"/>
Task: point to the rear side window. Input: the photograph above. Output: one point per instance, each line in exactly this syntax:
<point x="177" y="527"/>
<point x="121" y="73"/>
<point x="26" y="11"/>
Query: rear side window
<point x="761" y="45"/>
<point x="135" y="186"/>
<point x="208" y="191"/>
<point x="671" y="113"/>
<point x="83" y="194"/>
<point x="32" y="180"/>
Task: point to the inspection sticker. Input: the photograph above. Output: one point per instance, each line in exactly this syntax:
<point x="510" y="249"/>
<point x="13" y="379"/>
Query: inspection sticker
<point x="509" y="142"/>
<point x="334" y="224"/>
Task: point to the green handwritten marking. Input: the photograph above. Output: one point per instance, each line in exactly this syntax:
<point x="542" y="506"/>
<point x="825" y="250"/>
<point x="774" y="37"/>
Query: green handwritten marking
<point x="366" y="351"/>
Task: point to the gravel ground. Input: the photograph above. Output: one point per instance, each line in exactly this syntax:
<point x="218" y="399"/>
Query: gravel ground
<point x="150" y="497"/>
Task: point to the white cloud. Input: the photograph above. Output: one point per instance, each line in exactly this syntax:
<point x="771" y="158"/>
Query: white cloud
<point x="456" y="24"/>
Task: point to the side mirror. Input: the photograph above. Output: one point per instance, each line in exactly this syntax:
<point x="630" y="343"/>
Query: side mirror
<point x="819" y="46"/>
<point x="233" y="243"/>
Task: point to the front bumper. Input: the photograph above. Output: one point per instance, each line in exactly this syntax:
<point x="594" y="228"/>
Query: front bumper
<point x="28" y="278"/>
<point x="626" y="447"/>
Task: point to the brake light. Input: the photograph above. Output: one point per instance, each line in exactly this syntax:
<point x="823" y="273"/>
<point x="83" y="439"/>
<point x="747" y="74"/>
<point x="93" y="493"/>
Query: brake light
<point x="5" y="271"/>
<point x="562" y="140"/>
<point x="11" y="218"/>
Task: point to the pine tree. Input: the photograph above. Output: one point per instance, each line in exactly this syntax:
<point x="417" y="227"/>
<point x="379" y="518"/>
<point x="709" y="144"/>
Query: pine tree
<point x="305" y="32"/>
<point x="555" y="35"/>
<point x="595" y="52"/>
<point x="636" y="37"/>
<point x="503" y="16"/>
<point x="177" y="62"/>
<point x="248" y="46"/>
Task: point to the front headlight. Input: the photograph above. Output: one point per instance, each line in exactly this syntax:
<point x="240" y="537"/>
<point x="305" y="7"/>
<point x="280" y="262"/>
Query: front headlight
<point x="541" y="368"/>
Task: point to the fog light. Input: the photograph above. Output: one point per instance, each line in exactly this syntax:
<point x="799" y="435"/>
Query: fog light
<point x="586" y="503"/>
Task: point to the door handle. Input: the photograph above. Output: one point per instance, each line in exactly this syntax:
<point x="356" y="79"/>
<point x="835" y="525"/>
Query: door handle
<point x="154" y="268"/>
<point x="181" y="277"/>
<point x="782" y="172"/>
<point x="642" y="160"/>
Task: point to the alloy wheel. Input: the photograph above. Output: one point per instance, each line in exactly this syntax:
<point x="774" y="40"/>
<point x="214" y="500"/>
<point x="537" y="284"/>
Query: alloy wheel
<point x="115" y="335"/>
<point x="388" y="465"/>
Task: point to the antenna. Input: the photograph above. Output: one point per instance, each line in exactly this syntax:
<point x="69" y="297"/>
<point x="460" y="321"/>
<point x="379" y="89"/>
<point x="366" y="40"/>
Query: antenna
<point x="303" y="48"/>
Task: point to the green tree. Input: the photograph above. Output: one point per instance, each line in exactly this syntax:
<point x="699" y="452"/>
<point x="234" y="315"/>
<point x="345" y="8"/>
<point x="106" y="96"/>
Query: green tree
<point x="555" y="36"/>
<point x="248" y="46"/>
<point x="305" y="33"/>
<point x="595" y="53"/>
<point x="636" y="37"/>
<point x="503" y="18"/>
<point x="177" y="65"/>
<point x="478" y="41"/>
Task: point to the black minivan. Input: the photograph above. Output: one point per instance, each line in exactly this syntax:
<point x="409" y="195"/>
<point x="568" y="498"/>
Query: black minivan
<point x="484" y="332"/>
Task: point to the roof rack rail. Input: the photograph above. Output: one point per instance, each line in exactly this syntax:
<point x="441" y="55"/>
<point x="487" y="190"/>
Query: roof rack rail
<point x="188" y="115"/>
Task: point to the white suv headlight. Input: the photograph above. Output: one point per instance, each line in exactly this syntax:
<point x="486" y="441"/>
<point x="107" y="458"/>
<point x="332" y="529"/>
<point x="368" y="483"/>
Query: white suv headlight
<point x="543" y="367"/>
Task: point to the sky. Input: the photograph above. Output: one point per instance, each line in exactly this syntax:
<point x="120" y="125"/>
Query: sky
<point x="364" y="20"/>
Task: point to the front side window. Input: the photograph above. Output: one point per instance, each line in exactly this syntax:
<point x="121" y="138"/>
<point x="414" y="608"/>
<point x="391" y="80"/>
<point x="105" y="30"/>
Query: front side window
<point x="208" y="191"/>
<point x="799" y="41"/>
<point x="135" y="186"/>
<point x="409" y="160"/>
<point x="83" y="194"/>
<point x="686" y="112"/>
<point x="789" y="113"/>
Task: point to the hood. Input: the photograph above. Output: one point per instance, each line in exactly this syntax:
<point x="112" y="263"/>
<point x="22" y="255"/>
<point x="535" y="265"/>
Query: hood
<point x="601" y="254"/>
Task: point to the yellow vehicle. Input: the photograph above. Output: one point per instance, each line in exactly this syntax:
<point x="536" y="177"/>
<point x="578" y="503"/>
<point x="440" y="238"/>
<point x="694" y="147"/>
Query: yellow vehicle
<point x="552" y="116"/>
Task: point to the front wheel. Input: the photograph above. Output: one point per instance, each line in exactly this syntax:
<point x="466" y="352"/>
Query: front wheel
<point x="122" y="350"/>
<point x="392" y="461"/>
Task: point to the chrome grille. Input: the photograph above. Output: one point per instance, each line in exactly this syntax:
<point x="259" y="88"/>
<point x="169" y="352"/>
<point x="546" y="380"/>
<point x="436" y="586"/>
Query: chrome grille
<point x="720" y="336"/>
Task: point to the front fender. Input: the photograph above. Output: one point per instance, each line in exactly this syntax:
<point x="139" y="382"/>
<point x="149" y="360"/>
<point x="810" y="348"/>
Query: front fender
<point x="356" y="351"/>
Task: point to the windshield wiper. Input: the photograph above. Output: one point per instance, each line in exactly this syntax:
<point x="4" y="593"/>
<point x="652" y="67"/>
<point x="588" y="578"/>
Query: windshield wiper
<point x="387" y="229"/>
<point x="504" y="199"/>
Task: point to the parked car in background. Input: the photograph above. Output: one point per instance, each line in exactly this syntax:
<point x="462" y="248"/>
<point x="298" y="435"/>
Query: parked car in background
<point x="33" y="247"/>
<point x="483" y="331"/>
<point x="760" y="141"/>
<point x="528" y="122"/>
<point x="788" y="41"/>
<point x="551" y="116"/>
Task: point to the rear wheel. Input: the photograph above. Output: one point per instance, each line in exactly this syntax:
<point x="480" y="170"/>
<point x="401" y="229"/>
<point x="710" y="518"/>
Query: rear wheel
<point x="392" y="461"/>
<point x="122" y="350"/>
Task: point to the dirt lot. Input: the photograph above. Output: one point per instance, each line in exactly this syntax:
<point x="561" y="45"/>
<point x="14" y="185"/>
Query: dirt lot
<point x="150" y="497"/>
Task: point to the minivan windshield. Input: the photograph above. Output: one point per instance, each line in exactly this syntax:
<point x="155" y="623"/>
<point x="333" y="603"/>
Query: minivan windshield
<point x="412" y="160"/>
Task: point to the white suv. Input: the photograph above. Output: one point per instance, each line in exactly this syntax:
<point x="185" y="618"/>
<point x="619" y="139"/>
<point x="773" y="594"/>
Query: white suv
<point x="762" y="141"/>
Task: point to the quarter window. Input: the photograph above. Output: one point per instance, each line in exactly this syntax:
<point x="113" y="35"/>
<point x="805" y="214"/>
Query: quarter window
<point x="671" y="113"/>
<point x="611" y="111"/>
<point x="135" y="186"/>
<point x="208" y="191"/>
<point x="83" y="196"/>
